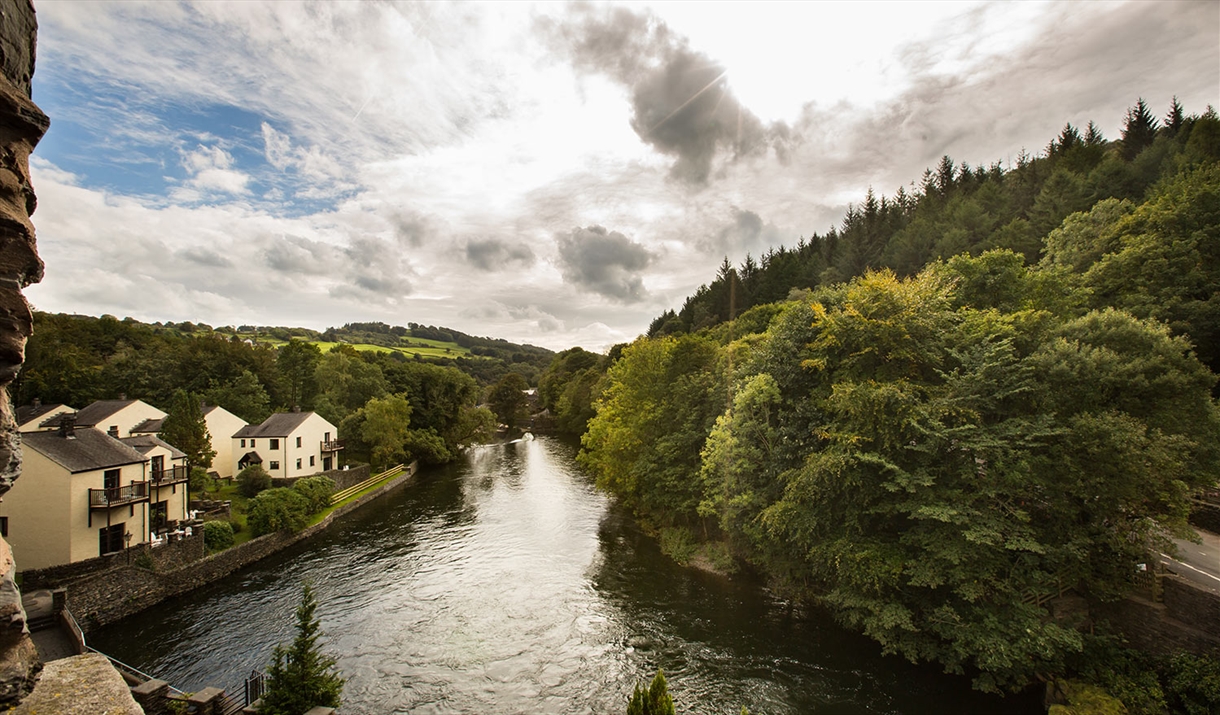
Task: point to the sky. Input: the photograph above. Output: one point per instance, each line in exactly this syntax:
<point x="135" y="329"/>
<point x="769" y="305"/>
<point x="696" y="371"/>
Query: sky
<point x="552" y="174"/>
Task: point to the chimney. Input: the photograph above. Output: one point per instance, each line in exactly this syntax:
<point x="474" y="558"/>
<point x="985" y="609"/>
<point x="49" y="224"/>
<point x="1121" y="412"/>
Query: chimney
<point x="113" y="431"/>
<point x="67" y="426"/>
<point x="37" y="403"/>
<point x="296" y="408"/>
<point x="122" y="395"/>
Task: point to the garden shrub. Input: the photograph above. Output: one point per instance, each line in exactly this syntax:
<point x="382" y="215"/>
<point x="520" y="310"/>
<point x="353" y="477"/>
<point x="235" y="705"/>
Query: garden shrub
<point x="217" y="535"/>
<point x="252" y="480"/>
<point x="317" y="491"/>
<point x="277" y="509"/>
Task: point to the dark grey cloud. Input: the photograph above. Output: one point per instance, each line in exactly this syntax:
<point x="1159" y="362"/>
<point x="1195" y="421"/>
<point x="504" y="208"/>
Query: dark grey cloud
<point x="605" y="262"/>
<point x="680" y="98"/>
<point x="745" y="231"/>
<point x="410" y="228"/>
<point x="494" y="254"/>
<point x="206" y="257"/>
<point x="294" y="254"/>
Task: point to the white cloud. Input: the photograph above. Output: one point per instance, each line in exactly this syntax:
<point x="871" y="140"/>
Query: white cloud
<point x="416" y="162"/>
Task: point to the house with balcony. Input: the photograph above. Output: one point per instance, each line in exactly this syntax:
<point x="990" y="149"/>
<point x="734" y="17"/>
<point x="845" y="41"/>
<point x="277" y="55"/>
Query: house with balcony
<point x="288" y="444"/>
<point x="82" y="494"/>
<point x="168" y="500"/>
<point x="221" y="425"/>
<point x="30" y="418"/>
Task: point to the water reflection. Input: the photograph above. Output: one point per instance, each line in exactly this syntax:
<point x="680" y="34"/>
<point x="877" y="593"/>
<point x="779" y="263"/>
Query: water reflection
<point x="507" y="584"/>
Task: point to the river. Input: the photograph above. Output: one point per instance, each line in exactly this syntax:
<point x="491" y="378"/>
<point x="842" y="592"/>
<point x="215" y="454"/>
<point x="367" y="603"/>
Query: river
<point x="506" y="583"/>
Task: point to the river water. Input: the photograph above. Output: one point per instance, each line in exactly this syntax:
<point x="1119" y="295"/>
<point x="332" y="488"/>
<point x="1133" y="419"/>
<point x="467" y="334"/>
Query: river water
<point x="506" y="583"/>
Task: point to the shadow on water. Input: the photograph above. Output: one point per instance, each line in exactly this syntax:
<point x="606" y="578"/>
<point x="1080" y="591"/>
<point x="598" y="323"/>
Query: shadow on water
<point x="506" y="583"/>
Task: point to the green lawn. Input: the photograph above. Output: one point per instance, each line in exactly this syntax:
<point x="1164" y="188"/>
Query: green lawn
<point x="410" y="347"/>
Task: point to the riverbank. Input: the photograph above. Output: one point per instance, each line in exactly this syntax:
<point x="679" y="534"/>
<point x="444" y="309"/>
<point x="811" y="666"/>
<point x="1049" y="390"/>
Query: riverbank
<point x="124" y="590"/>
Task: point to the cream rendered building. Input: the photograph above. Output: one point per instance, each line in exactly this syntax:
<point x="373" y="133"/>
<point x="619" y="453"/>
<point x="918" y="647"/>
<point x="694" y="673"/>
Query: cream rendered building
<point x="168" y="499"/>
<point x="38" y="417"/>
<point x="221" y="425"/>
<point x="81" y="494"/>
<point x="288" y="444"/>
<point x="118" y="418"/>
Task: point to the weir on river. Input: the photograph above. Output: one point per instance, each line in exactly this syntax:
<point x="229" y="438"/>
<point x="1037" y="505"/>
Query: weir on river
<point x="506" y="583"/>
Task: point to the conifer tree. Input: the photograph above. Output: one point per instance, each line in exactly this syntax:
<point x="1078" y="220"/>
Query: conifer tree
<point x="1139" y="129"/>
<point x="300" y="677"/>
<point x="1173" y="120"/>
<point x="1092" y="135"/>
<point x="185" y="428"/>
<point x="653" y="701"/>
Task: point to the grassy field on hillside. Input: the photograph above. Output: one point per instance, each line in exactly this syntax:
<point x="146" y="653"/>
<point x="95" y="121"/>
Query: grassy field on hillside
<point x="411" y="347"/>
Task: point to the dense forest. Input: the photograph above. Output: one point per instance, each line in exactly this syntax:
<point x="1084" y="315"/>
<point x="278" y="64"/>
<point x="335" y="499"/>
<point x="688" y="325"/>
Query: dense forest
<point x="978" y="391"/>
<point x="380" y="400"/>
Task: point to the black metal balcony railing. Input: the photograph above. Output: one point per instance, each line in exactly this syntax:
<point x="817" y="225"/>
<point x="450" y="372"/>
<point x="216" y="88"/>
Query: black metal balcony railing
<point x="333" y="445"/>
<point x="173" y="475"/>
<point x="117" y="496"/>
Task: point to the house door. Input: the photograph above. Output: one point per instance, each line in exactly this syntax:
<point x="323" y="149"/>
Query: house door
<point x="110" y="479"/>
<point x="110" y="538"/>
<point x="158" y="466"/>
<point x="326" y="464"/>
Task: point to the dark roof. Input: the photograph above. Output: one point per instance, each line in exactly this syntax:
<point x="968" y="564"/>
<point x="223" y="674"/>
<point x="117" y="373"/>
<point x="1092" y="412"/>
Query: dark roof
<point x="146" y="442"/>
<point x="27" y="413"/>
<point x="100" y="410"/>
<point x="152" y="426"/>
<point x="86" y="450"/>
<point x="280" y="424"/>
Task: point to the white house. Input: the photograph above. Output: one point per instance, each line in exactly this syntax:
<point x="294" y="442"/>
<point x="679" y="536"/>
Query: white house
<point x="288" y="444"/>
<point x="118" y="418"/>
<point x="168" y="499"/>
<point x="32" y="418"/>
<point x="221" y="425"/>
<point x="82" y="494"/>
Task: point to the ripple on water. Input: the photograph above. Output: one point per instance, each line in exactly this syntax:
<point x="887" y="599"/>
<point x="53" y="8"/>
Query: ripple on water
<point x="504" y="584"/>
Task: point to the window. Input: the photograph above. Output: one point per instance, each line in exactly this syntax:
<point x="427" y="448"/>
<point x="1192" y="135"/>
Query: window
<point x="158" y="466"/>
<point x="110" y="479"/>
<point x="275" y="444"/>
<point x="298" y="464"/>
<point x="298" y="441"/>
<point x="243" y="443"/>
<point x="274" y="466"/>
<point x="311" y="460"/>
<point x="251" y="444"/>
<point x="159" y="514"/>
<point x="110" y="538"/>
<point x="4" y="526"/>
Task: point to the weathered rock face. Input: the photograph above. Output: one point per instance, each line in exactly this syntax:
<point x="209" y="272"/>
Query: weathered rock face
<point x="22" y="124"/>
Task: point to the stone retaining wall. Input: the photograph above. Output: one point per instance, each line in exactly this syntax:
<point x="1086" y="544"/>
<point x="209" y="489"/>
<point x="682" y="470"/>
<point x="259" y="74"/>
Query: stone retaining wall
<point x="1188" y="619"/>
<point x="106" y="597"/>
<point x="166" y="556"/>
<point x="343" y="478"/>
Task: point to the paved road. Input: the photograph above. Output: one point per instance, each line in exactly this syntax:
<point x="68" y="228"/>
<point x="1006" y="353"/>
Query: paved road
<point x="1198" y="563"/>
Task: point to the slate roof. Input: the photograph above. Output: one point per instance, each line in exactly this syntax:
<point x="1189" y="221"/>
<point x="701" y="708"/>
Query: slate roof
<point x="152" y="426"/>
<point x="92" y="415"/>
<point x="85" y="451"/>
<point x="280" y="424"/>
<point x="28" y="413"/>
<point x="145" y="443"/>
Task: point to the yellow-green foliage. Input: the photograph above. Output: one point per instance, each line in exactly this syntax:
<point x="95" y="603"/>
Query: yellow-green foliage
<point x="1085" y="699"/>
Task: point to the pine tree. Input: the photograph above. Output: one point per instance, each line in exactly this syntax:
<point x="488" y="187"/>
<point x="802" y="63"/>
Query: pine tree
<point x="185" y="428"/>
<point x="1139" y="129"/>
<point x="1092" y="135"/>
<point x="300" y="677"/>
<point x="1173" y="120"/>
<point x="653" y="701"/>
